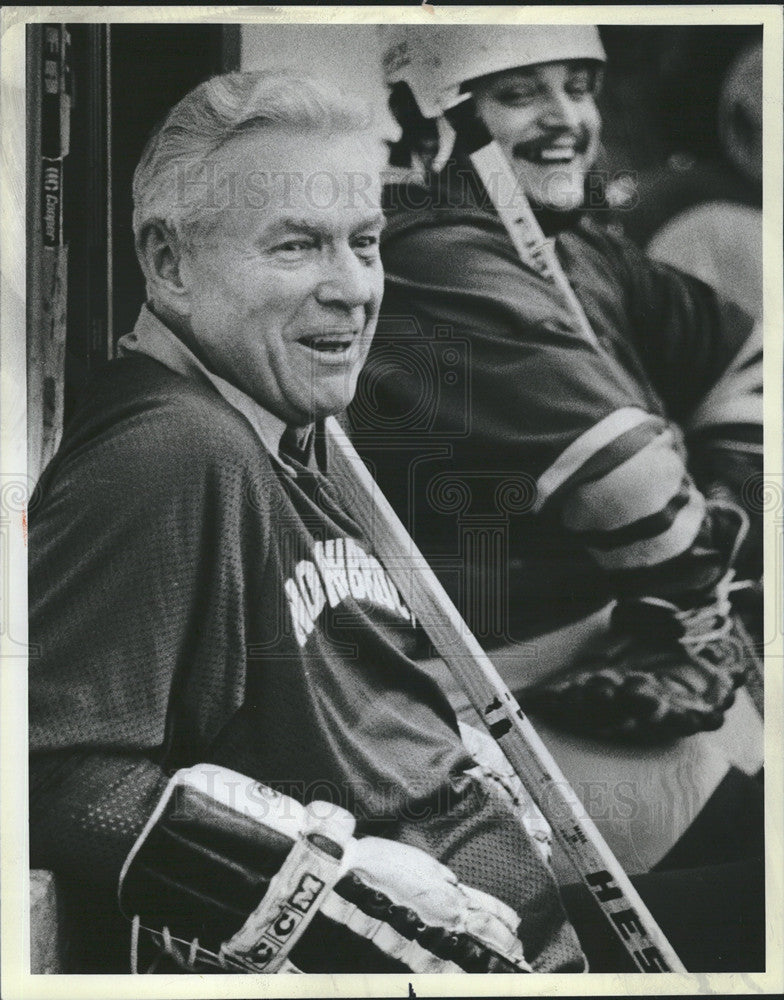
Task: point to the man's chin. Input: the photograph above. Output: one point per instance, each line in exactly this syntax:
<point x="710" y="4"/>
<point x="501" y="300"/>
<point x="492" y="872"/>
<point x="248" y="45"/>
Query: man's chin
<point x="327" y="398"/>
<point x="559" y="190"/>
<point x="329" y="406"/>
<point x="336" y="399"/>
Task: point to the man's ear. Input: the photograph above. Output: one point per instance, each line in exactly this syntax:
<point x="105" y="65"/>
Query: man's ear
<point x="161" y="258"/>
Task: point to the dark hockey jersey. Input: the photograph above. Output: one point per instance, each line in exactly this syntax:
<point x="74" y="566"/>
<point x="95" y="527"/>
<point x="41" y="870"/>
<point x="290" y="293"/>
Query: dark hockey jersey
<point x="192" y="600"/>
<point x="540" y="473"/>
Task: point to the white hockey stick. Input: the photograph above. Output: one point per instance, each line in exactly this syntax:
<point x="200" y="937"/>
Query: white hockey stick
<point x="513" y="208"/>
<point x="426" y="598"/>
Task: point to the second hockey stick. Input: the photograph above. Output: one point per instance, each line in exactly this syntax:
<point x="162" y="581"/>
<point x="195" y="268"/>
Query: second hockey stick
<point x="503" y="188"/>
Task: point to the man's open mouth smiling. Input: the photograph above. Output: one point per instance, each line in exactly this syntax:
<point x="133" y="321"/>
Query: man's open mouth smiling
<point x="337" y="342"/>
<point x="561" y="149"/>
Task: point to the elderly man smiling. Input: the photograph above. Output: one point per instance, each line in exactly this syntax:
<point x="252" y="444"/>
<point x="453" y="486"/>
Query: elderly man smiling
<point x="204" y="607"/>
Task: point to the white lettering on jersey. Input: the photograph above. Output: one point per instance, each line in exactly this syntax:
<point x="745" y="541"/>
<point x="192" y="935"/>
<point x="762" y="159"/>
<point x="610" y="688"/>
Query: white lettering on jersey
<point x="331" y="563"/>
<point x="303" y="625"/>
<point x="356" y="577"/>
<point x="339" y="568"/>
<point x="309" y="584"/>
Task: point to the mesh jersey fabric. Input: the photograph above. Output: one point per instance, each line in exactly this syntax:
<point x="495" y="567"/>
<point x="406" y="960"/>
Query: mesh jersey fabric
<point x="465" y="836"/>
<point x="480" y="387"/>
<point x="192" y="601"/>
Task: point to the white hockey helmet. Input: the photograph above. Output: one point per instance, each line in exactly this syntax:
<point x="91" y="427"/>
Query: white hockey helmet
<point x="434" y="60"/>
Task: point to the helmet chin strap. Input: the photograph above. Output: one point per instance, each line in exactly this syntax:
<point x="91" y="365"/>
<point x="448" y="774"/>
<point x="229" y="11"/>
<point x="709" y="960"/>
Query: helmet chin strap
<point x="446" y="144"/>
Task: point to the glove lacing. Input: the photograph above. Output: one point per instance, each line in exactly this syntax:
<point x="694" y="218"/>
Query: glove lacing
<point x="711" y="622"/>
<point x="184" y="954"/>
<point x="713" y="637"/>
<point x="716" y="621"/>
<point x="170" y="947"/>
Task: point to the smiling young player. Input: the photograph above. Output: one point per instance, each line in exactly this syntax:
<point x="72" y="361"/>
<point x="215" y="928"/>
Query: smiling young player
<point x="546" y="123"/>
<point x="578" y="480"/>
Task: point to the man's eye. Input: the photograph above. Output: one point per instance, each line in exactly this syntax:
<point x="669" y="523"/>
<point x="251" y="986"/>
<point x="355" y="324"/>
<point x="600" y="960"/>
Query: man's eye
<point x="516" y="96"/>
<point x="294" y="247"/>
<point x="581" y="84"/>
<point x="369" y="242"/>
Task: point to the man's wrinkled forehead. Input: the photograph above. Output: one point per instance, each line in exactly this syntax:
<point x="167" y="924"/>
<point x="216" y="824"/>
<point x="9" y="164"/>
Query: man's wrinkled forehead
<point x="284" y="170"/>
<point x="315" y="224"/>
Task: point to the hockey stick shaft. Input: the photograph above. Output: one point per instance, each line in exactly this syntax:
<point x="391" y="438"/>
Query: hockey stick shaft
<point x="531" y="244"/>
<point x="513" y="208"/>
<point x="428" y="601"/>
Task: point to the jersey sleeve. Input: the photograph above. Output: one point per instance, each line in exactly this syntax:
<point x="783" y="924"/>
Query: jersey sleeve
<point x="602" y="456"/>
<point x="704" y="355"/>
<point x="87" y="809"/>
<point x="129" y="663"/>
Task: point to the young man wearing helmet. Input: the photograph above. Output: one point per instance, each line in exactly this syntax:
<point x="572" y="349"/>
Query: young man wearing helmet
<point x="579" y="477"/>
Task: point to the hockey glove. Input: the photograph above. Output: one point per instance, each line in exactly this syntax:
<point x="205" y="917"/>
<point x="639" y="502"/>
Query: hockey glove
<point x="663" y="671"/>
<point x="231" y="876"/>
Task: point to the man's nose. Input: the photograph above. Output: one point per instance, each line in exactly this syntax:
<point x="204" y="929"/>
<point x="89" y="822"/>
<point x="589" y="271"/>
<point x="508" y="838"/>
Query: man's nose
<point x="561" y="110"/>
<point x="347" y="280"/>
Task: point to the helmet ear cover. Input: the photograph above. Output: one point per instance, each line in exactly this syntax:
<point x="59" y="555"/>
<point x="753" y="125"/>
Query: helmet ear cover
<point x="419" y="135"/>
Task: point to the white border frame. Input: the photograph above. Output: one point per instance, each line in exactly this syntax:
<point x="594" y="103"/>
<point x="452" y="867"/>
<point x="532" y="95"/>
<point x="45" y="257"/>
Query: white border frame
<point x="14" y="899"/>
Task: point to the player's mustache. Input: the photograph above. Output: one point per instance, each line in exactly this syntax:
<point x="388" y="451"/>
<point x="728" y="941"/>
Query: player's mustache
<point x="534" y="146"/>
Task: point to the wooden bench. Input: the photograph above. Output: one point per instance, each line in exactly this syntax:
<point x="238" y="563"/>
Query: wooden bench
<point x="47" y="944"/>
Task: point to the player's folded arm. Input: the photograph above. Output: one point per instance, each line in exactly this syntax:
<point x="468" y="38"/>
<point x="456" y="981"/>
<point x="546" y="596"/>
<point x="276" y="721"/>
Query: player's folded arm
<point x="608" y="467"/>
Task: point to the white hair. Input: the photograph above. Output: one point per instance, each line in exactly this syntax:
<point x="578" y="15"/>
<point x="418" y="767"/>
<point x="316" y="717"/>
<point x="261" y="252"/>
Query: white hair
<point x="180" y="155"/>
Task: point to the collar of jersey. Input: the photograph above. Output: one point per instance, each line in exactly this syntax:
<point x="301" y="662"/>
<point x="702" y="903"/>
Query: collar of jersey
<point x="152" y="337"/>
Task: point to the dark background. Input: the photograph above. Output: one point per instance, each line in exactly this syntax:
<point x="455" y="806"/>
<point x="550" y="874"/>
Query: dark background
<point x="659" y="106"/>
